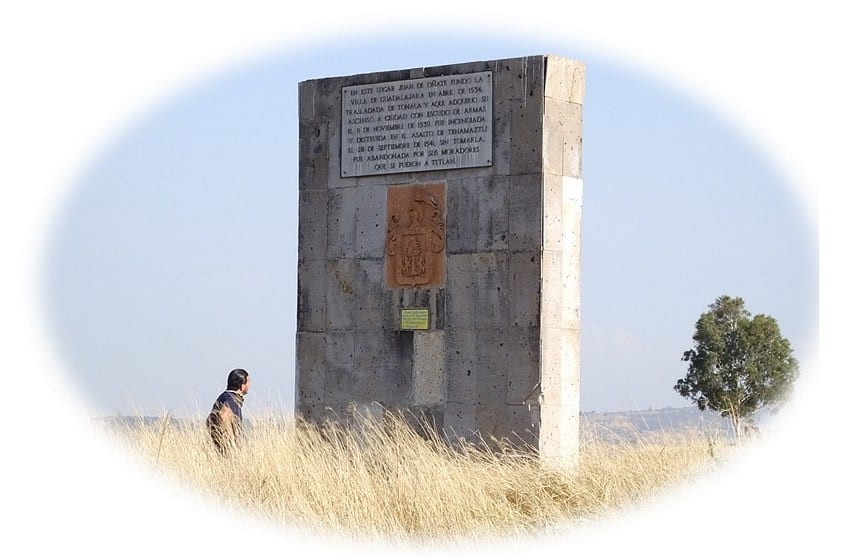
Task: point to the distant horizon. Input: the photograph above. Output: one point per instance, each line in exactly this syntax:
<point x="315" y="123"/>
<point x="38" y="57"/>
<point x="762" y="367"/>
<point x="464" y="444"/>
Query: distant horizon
<point x="615" y="426"/>
<point x="248" y="416"/>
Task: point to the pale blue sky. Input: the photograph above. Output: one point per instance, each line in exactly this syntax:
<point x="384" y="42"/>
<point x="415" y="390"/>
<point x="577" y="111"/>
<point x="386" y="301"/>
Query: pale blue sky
<point x="174" y="259"/>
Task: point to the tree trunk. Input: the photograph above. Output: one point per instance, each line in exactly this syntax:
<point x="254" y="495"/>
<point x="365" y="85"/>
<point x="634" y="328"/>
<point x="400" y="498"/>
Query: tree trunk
<point x="736" y="424"/>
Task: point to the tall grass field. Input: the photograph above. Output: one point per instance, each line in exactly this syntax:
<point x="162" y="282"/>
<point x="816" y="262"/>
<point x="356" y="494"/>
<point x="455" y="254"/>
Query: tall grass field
<point x="388" y="480"/>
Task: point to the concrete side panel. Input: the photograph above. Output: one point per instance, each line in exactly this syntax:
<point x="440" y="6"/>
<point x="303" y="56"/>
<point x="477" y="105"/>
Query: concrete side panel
<point x="561" y="264"/>
<point x="342" y="223"/>
<point x="355" y="296"/>
<point x="312" y="155"/>
<point x="570" y="299"/>
<point x="523" y="366"/>
<point x="526" y="215"/>
<point x="371" y="302"/>
<point x="310" y="368"/>
<point x="335" y="179"/>
<point x="524" y="284"/>
<point x="562" y="216"/>
<point x="316" y="101"/>
<point x="571" y="243"/>
<point x="329" y="100"/>
<point x="383" y="362"/>
<point x="526" y="136"/>
<point x="429" y="368"/>
<point x="554" y="225"/>
<point x="512" y="424"/>
<point x="312" y="224"/>
<point x="570" y="305"/>
<point x="326" y="104"/>
<point x="552" y="289"/>
<point x="561" y="269"/>
<point x="460" y="291"/>
<point x="307" y="100"/>
<point x="572" y="151"/>
<point x="570" y="370"/>
<point x="370" y="221"/>
<point x="462" y="216"/>
<point x="571" y="211"/>
<point x="379" y="180"/>
<point x="492" y="290"/>
<point x="559" y="437"/>
<point x="560" y="357"/>
<point x="476" y="422"/>
<point x="312" y="302"/>
<point x="453" y="69"/>
<point x="562" y="124"/>
<point x="507" y="365"/>
<point x="494" y="223"/>
<point x="551" y="364"/>
<point x="488" y="418"/>
<point x="565" y="79"/>
<point x="459" y="420"/>
<point x="502" y="133"/>
<point x="519" y="78"/>
<point x="340" y="378"/>
<point x="398" y="367"/>
<point x="519" y="425"/>
<point x="341" y="291"/>
<point x="490" y="384"/>
<point x="461" y="359"/>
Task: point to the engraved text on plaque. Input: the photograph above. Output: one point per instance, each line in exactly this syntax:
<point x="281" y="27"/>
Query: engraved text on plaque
<point x="433" y="123"/>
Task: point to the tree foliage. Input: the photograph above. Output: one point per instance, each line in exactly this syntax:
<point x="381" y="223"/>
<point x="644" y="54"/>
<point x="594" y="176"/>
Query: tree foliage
<point x="738" y="364"/>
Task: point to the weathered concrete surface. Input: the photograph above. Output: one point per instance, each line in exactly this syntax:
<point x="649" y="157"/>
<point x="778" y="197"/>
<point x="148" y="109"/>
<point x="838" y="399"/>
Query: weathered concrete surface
<point x="502" y="355"/>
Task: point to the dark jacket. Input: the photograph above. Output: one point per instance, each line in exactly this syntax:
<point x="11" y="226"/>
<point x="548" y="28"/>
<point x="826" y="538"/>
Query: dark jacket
<point x="223" y="436"/>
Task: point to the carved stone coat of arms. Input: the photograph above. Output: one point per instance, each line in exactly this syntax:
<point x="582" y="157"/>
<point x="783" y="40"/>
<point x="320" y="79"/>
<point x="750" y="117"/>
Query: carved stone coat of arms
<point x="416" y="235"/>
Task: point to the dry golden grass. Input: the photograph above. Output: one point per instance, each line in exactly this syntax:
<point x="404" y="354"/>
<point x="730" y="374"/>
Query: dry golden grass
<point x="384" y="480"/>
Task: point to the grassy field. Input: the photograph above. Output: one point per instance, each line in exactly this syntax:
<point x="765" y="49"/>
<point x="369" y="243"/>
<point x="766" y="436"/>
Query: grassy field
<point x="384" y="480"/>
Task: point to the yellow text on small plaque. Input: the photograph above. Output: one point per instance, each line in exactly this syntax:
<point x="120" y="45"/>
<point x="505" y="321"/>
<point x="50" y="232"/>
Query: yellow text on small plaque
<point x="414" y="319"/>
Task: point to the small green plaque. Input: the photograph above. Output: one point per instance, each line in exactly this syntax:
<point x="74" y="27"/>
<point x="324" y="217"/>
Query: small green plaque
<point x="414" y="319"/>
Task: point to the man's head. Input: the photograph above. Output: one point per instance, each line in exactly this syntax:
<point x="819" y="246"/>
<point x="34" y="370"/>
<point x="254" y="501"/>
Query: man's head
<point x="238" y="380"/>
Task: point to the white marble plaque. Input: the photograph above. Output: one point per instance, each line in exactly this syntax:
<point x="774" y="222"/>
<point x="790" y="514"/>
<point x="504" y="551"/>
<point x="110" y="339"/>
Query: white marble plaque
<point x="432" y="123"/>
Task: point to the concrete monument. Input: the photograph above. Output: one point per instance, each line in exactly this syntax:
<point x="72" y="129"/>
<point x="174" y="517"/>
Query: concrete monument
<point x="439" y="247"/>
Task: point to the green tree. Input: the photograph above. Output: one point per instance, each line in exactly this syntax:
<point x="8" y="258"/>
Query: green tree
<point x="737" y="364"/>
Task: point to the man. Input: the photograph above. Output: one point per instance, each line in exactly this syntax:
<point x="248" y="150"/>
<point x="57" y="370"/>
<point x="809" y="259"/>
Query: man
<point x="225" y="419"/>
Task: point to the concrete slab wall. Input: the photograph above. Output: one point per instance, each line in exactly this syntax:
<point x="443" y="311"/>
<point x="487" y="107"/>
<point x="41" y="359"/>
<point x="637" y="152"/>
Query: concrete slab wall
<point x="501" y="356"/>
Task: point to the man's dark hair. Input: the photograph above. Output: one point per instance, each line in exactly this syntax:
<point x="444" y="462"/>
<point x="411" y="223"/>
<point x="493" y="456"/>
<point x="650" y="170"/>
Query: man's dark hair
<point x="236" y="378"/>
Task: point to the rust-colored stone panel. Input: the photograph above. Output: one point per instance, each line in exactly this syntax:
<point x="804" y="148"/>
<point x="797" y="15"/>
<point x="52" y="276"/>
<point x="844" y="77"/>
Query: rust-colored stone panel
<point x="416" y="235"/>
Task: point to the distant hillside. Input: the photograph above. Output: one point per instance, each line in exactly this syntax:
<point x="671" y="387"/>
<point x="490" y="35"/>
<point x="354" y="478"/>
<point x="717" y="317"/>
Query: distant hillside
<point x="623" y="426"/>
<point x="634" y="424"/>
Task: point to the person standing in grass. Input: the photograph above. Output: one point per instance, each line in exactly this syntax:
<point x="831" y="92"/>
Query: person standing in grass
<point x="224" y="421"/>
